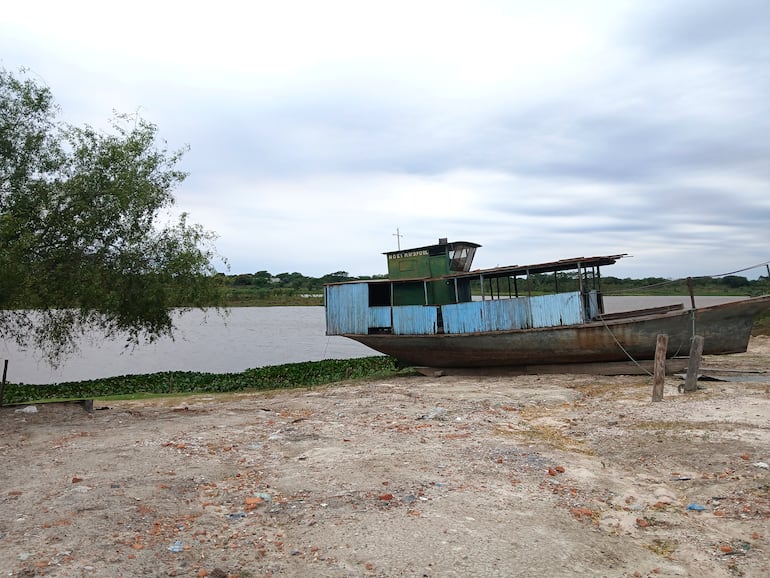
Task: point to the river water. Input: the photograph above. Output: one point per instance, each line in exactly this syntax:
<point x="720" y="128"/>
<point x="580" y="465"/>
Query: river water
<point x="243" y="338"/>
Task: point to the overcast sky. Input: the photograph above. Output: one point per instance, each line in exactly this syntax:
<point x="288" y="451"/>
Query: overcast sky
<point x="541" y="130"/>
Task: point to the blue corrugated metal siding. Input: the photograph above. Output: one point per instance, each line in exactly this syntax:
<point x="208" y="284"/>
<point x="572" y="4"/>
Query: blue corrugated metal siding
<point x="348" y="312"/>
<point x="559" y="309"/>
<point x="478" y="316"/>
<point x="347" y="309"/>
<point x="415" y="320"/>
<point x="379" y="316"/>
<point x="504" y="314"/>
<point x="463" y="317"/>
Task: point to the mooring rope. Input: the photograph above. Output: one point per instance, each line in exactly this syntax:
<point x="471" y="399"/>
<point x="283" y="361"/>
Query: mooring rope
<point x="692" y="311"/>
<point x="765" y="264"/>
<point x="683" y="279"/>
<point x="623" y="349"/>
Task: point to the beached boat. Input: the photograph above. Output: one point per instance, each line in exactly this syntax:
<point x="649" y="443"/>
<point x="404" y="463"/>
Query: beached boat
<point x="433" y="311"/>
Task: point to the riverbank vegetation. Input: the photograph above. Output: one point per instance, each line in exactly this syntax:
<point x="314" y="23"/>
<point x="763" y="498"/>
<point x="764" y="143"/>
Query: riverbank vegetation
<point x="292" y="375"/>
<point x="265" y="289"/>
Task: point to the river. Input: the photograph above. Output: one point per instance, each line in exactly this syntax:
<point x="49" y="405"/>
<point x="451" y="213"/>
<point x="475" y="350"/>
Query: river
<point x="243" y="338"/>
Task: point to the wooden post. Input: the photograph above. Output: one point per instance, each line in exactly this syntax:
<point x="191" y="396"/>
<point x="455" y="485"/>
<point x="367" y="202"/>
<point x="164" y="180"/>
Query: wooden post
<point x="2" y="384"/>
<point x="661" y="345"/>
<point x="691" y="289"/>
<point x="693" y="365"/>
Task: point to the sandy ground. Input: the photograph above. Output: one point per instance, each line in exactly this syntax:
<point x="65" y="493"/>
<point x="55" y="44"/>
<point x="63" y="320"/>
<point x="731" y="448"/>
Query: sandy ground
<point x="551" y="475"/>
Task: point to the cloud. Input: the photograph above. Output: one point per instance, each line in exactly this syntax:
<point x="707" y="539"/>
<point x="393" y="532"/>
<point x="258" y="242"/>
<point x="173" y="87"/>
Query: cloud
<point x="723" y="30"/>
<point x="540" y="130"/>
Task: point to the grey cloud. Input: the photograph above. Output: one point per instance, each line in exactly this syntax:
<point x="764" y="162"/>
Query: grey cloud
<point x="592" y="135"/>
<point x="738" y="28"/>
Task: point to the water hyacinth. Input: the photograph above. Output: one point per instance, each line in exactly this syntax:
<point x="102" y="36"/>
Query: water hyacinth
<point x="307" y="374"/>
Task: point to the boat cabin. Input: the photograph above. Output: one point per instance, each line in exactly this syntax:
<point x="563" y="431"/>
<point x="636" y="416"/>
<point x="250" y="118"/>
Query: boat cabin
<point x="432" y="290"/>
<point x="413" y="266"/>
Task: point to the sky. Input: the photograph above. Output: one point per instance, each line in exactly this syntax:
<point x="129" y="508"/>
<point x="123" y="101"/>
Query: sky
<point x="540" y="130"/>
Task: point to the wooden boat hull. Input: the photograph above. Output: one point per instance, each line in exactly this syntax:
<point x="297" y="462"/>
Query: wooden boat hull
<point x="725" y="329"/>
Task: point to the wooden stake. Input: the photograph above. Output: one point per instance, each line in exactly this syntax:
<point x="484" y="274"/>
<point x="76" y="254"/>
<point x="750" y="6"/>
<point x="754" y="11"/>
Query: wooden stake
<point x="659" y="376"/>
<point x="2" y="383"/>
<point x="696" y="350"/>
<point x="691" y="288"/>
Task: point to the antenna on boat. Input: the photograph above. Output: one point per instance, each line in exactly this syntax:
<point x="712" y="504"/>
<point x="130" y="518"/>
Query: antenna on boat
<point x="398" y="236"/>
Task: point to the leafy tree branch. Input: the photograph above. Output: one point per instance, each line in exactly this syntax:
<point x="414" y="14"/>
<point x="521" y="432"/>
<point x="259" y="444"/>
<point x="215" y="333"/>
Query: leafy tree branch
<point x="82" y="246"/>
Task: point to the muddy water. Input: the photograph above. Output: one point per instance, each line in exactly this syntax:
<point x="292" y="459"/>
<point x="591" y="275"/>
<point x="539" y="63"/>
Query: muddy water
<point x="246" y="337"/>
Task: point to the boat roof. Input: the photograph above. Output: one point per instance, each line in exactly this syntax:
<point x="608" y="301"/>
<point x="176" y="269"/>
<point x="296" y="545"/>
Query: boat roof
<point x="561" y="265"/>
<point x="444" y="243"/>
<point x="512" y="270"/>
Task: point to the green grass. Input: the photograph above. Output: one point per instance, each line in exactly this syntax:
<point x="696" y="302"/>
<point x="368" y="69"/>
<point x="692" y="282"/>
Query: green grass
<point x="292" y="375"/>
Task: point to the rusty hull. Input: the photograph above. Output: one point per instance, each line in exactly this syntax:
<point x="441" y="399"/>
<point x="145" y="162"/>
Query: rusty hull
<point x="726" y="328"/>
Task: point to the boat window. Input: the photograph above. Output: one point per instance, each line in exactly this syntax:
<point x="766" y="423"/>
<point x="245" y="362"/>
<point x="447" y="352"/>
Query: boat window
<point x="379" y="294"/>
<point x="461" y="258"/>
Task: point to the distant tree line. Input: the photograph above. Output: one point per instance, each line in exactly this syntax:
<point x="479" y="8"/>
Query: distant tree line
<point x="265" y="279"/>
<point x="727" y="285"/>
<point x="264" y="287"/>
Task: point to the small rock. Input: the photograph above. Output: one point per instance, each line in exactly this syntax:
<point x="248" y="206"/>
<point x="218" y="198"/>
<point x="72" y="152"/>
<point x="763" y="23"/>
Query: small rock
<point x="609" y="523"/>
<point x="664" y="495"/>
<point x="28" y="409"/>
<point x="438" y="413"/>
<point x="177" y="546"/>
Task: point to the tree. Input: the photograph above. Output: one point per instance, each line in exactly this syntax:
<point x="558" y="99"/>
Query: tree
<point x="261" y="278"/>
<point x="735" y="281"/>
<point x="82" y="245"/>
<point x="336" y="277"/>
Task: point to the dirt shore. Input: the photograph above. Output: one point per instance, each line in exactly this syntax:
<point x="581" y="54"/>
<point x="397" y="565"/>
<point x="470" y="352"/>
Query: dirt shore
<point x="551" y="475"/>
